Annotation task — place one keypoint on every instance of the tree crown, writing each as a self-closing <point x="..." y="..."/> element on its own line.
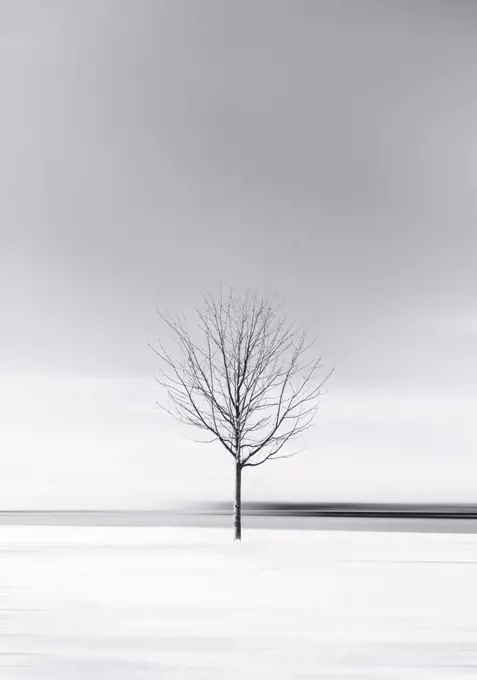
<point x="244" y="375"/>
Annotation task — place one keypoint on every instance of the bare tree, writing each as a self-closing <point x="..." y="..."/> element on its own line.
<point x="243" y="376"/>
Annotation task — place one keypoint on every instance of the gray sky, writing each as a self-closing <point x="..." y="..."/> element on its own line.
<point x="324" y="151"/>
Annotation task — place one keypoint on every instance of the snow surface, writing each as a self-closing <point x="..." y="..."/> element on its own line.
<point x="99" y="603"/>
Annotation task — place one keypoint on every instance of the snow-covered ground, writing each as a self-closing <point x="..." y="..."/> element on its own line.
<point x="101" y="603"/>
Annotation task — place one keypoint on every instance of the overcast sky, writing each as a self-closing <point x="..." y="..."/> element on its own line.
<point x="324" y="151"/>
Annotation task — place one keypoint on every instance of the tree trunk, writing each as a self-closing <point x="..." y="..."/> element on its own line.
<point x="238" y="503"/>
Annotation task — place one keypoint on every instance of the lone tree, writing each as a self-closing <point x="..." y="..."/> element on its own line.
<point x="244" y="376"/>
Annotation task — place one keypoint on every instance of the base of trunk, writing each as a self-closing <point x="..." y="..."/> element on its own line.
<point x="238" y="504"/>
